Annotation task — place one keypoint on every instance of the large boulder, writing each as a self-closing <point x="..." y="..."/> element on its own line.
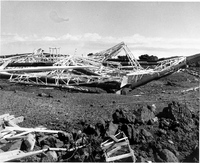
<point x="178" y="113"/>
<point x="123" y="116"/>
<point x="65" y="137"/>
<point x="161" y="154"/>
<point x="146" y="135"/>
<point x="48" y="140"/>
<point x="168" y="156"/>
<point x="90" y="130"/>
<point x="49" y="156"/>
<point x="101" y="127"/>
<point x="130" y="131"/>
<point x="144" y="115"/>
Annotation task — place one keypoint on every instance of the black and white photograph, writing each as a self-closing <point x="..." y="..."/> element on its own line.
<point x="99" y="81"/>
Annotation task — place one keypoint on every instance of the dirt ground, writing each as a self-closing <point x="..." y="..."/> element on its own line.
<point x="63" y="110"/>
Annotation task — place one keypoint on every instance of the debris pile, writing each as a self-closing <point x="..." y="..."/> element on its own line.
<point x="95" y="73"/>
<point x="18" y="143"/>
<point x="42" y="145"/>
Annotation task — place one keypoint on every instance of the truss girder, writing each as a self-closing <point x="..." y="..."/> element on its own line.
<point x="68" y="80"/>
<point x="167" y="64"/>
<point x="114" y="51"/>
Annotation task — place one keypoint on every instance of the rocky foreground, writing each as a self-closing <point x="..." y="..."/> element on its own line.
<point x="169" y="136"/>
<point x="160" y="119"/>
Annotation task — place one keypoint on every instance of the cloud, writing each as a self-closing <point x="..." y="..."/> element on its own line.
<point x="70" y="37"/>
<point x="93" y="42"/>
<point x="164" y="43"/>
<point x="19" y="38"/>
<point x="47" y="38"/>
<point x="54" y="17"/>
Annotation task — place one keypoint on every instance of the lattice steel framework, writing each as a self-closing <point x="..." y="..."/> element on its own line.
<point x="166" y="67"/>
<point x="66" y="80"/>
<point x="114" y="51"/>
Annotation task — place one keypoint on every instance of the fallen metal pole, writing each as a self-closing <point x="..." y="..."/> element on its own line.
<point x="33" y="130"/>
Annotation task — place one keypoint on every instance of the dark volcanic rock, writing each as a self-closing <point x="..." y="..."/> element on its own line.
<point x="130" y="131"/>
<point x="163" y="155"/>
<point x="144" y="115"/>
<point x="50" y="156"/>
<point x="152" y="107"/>
<point x="49" y="140"/>
<point x="168" y="156"/>
<point x="65" y="137"/>
<point x="177" y="112"/>
<point x="161" y="131"/>
<point x="45" y="95"/>
<point x="148" y="136"/>
<point x="90" y="130"/>
<point x="123" y="116"/>
<point x="169" y="83"/>
<point x="141" y="159"/>
<point x="101" y="127"/>
<point x="194" y="156"/>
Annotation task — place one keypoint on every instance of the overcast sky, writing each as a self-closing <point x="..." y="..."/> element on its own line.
<point x="156" y="28"/>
